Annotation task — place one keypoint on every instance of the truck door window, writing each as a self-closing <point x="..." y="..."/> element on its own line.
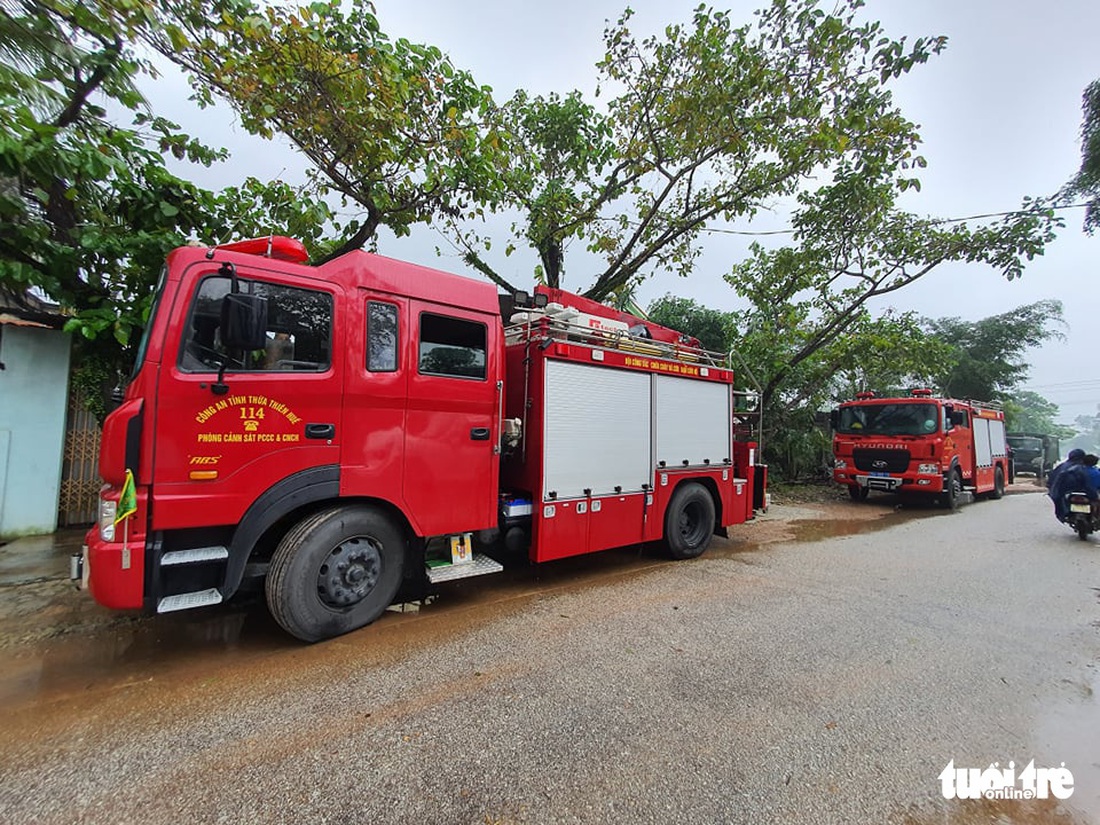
<point x="381" y="337"/>
<point x="299" y="330"/>
<point x="451" y="347"/>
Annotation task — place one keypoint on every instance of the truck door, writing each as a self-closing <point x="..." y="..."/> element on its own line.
<point x="217" y="452"/>
<point x="964" y="440"/>
<point x="451" y="460"/>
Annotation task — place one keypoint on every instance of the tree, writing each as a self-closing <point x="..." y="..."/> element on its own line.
<point x="1086" y="183"/>
<point x="88" y="208"/>
<point x="390" y="126"/>
<point x="716" y="330"/>
<point x="709" y="121"/>
<point x="855" y="247"/>
<point x="987" y="354"/>
<point x="1088" y="429"/>
<point x="550" y="170"/>
<point x="1029" y="412"/>
<point x="884" y="352"/>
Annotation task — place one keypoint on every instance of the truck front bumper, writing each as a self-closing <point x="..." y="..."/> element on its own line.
<point x="112" y="571"/>
<point x="891" y="483"/>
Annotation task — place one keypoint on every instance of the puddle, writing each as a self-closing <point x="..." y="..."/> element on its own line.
<point x="38" y="558"/>
<point x="1068" y="730"/>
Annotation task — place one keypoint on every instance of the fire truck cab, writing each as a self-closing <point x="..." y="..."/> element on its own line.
<point x="920" y="444"/>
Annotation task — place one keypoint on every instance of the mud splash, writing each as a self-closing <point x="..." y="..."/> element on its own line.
<point x="94" y="650"/>
<point x="64" y="645"/>
<point x="991" y="812"/>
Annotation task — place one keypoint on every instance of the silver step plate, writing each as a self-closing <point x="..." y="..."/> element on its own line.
<point x="480" y="566"/>
<point x="192" y="555"/>
<point x="187" y="601"/>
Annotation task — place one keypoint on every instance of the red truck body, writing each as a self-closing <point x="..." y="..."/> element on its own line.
<point x="920" y="444"/>
<point x="380" y="408"/>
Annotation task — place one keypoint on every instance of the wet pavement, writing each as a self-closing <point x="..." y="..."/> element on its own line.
<point x="38" y="558"/>
<point x="828" y="676"/>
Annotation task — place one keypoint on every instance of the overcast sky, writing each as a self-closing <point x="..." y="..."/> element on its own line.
<point x="999" y="111"/>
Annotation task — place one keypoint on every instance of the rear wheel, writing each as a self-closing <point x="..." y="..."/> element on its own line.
<point x="998" y="484"/>
<point x="689" y="521"/>
<point x="335" y="571"/>
<point x="1083" y="530"/>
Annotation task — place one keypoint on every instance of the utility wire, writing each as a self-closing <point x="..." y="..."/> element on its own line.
<point x="715" y="231"/>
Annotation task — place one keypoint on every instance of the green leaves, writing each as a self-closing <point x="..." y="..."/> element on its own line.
<point x="390" y="125"/>
<point x="987" y="355"/>
<point x="88" y="209"/>
<point x="708" y="121"/>
<point x="1086" y="183"/>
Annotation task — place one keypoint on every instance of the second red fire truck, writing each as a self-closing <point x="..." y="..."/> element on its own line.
<point x="338" y="433"/>
<point x="920" y="444"/>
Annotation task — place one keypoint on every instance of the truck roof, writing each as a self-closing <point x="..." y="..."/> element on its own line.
<point x="384" y="274"/>
<point x="365" y="269"/>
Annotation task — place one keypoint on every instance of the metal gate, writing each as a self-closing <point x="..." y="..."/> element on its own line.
<point x="80" y="480"/>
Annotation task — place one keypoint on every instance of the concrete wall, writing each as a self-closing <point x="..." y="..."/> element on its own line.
<point x="34" y="389"/>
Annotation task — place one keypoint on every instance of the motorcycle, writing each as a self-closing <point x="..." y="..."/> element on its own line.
<point x="1081" y="515"/>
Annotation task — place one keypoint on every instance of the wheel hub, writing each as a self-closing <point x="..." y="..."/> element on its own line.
<point x="349" y="572"/>
<point x="689" y="522"/>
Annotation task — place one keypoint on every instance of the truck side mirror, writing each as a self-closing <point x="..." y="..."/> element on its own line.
<point x="834" y="419"/>
<point x="244" y="321"/>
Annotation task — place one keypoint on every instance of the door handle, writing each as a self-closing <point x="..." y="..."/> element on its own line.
<point x="479" y="434"/>
<point x="323" y="431"/>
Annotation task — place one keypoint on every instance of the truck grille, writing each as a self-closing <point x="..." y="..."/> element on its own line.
<point x="881" y="461"/>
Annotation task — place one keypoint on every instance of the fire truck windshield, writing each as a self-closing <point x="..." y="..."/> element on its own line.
<point x="889" y="419"/>
<point x="161" y="280"/>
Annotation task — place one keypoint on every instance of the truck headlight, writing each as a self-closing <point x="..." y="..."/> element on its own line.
<point x="107" y="510"/>
<point x="929" y="469"/>
<point x="840" y="465"/>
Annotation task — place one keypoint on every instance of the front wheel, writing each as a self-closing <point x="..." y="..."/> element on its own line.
<point x="953" y="491"/>
<point x="335" y="571"/>
<point x="689" y="521"/>
<point x="857" y="493"/>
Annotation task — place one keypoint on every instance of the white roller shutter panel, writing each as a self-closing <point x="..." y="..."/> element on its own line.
<point x="982" y="449"/>
<point x="693" y="421"/>
<point x="997" y="438"/>
<point x="597" y="430"/>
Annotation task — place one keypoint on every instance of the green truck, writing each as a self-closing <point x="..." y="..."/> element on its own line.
<point x="1034" y="453"/>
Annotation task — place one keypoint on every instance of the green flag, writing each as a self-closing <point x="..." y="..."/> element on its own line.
<point x="127" y="500"/>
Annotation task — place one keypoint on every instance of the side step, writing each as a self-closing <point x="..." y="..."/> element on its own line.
<point x="187" y="601"/>
<point x="480" y="565"/>
<point x="192" y="555"/>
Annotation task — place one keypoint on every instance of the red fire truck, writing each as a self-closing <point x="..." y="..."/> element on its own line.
<point x="339" y="433"/>
<point x="920" y="444"/>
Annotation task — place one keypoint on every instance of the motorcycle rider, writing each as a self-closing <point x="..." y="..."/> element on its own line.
<point x="1067" y="477"/>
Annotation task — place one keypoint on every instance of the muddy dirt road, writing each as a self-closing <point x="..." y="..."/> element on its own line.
<point x="829" y="677"/>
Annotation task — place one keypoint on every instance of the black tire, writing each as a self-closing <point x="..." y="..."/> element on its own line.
<point x="689" y="521"/>
<point x="1082" y="527"/>
<point x="998" y="484"/>
<point x="313" y="601"/>
<point x="857" y="493"/>
<point x="953" y="492"/>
